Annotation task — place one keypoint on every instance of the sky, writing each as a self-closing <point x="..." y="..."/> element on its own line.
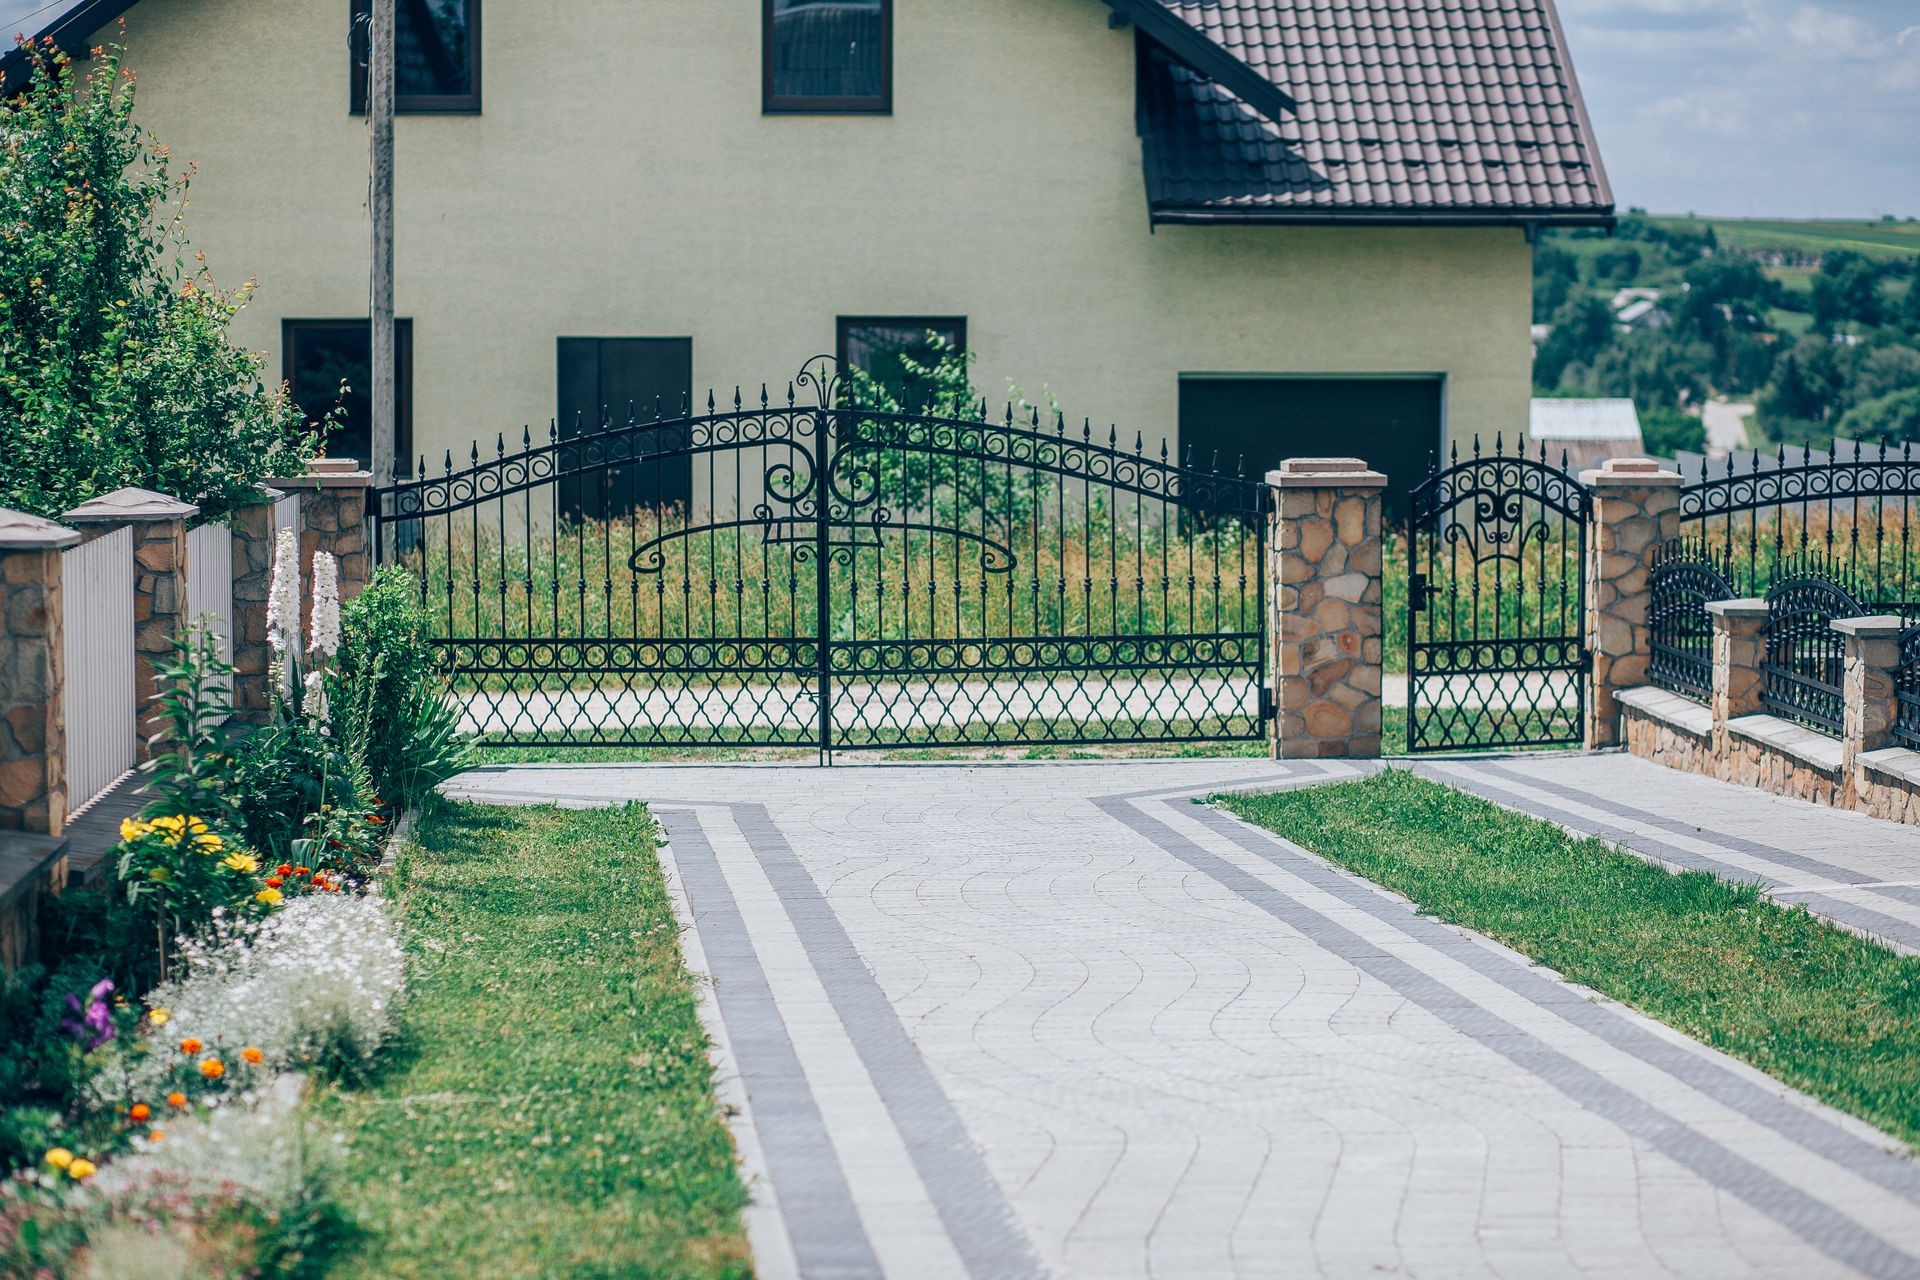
<point x="1728" y="107"/>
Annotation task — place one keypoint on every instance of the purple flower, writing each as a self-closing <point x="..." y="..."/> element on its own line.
<point x="93" y="1021"/>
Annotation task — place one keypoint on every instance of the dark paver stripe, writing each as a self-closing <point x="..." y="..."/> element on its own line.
<point x="1827" y="1229"/>
<point x="1607" y="1021"/>
<point x="815" y="1201"/>
<point x="977" y="1216"/>
<point x="1865" y="919"/>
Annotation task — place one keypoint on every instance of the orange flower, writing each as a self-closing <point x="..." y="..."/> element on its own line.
<point x="253" y="1055"/>
<point x="302" y="871"/>
<point x="274" y="882"/>
<point x="155" y="1135"/>
<point x="212" y="1068"/>
<point x="177" y="1100"/>
<point x="141" y="1113"/>
<point x="284" y="869"/>
<point x="190" y="1046"/>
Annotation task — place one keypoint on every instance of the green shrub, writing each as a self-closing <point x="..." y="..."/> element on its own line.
<point x="398" y="716"/>
<point x="116" y="367"/>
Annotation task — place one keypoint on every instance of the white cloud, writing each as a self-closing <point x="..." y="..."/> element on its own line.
<point x="1754" y="106"/>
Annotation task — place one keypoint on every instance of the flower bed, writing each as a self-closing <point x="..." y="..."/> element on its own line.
<point x="151" y="1115"/>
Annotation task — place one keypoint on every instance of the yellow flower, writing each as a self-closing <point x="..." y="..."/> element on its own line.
<point x="59" y="1157"/>
<point x="158" y="1017"/>
<point x="269" y="896"/>
<point x="209" y="843"/>
<point x="80" y="1169"/>
<point x="245" y="864"/>
<point x="132" y="828"/>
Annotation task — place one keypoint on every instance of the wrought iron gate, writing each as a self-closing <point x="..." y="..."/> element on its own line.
<point x="814" y="573"/>
<point x="1496" y="604"/>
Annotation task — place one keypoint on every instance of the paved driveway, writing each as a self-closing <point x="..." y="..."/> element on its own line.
<point x="1013" y="1021"/>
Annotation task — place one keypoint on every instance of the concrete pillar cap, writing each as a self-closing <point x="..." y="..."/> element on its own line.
<point x="1879" y="626"/>
<point x="1325" y="473"/>
<point x="22" y="532"/>
<point x="1634" y="473"/>
<point x="328" y="473"/>
<point x="1748" y="607"/>
<point x="130" y="506"/>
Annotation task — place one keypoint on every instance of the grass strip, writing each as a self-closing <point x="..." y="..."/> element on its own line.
<point x="550" y="1111"/>
<point x="1808" y="1003"/>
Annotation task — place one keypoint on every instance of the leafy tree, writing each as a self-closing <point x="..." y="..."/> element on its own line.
<point x="1894" y="417"/>
<point x="1654" y="369"/>
<point x="1617" y="264"/>
<point x="1666" y="432"/>
<point x="1582" y="329"/>
<point x="116" y="367"/>
<point x="1555" y="274"/>
<point x="1846" y="291"/>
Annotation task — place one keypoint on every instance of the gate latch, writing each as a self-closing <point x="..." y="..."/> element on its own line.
<point x="1418" y="589"/>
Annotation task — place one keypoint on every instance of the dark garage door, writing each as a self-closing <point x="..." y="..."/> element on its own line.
<point x="1394" y="423"/>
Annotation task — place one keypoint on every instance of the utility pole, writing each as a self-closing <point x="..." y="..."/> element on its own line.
<point x="380" y="63"/>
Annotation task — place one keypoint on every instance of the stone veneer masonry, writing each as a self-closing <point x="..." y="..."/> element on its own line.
<point x="33" y="786"/>
<point x="252" y="528"/>
<point x="333" y="518"/>
<point x="1636" y="508"/>
<point x="1327" y="608"/>
<point x="1733" y="742"/>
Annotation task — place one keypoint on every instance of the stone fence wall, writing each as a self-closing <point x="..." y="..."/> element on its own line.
<point x="34" y="788"/>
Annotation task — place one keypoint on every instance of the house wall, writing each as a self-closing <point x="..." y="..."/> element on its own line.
<point x="622" y="181"/>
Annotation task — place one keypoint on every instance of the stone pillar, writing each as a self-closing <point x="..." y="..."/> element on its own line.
<point x="1636" y="508"/>
<point x="1326" y="603"/>
<point x="252" y="529"/>
<point x="1872" y="657"/>
<point x="333" y="517"/>
<point x="33" y="731"/>
<point x="160" y="570"/>
<point x="1739" y="650"/>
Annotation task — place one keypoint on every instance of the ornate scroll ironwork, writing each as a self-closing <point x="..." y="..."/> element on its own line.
<point x="1806" y="657"/>
<point x="1496" y="603"/>
<point x="809" y="572"/>
<point x="1850" y="504"/>
<point x="1687" y="576"/>
<point x="1906" y="689"/>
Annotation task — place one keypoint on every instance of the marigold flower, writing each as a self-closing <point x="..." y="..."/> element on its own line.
<point x="158" y="1017"/>
<point x="302" y="871"/>
<point x="59" y="1157"/>
<point x="80" y="1169"/>
<point x="154" y="1135"/>
<point x="212" y="1068"/>
<point x="190" y="1046"/>
<point x="245" y="864"/>
<point x="284" y="869"/>
<point x="253" y="1055"/>
<point x="140" y="1113"/>
<point x="269" y="896"/>
<point x="177" y="1100"/>
<point x="274" y="882"/>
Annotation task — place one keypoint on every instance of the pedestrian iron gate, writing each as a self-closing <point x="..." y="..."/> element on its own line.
<point x="816" y="574"/>
<point x="1496" y="604"/>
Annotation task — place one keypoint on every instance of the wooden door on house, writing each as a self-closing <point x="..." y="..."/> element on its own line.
<point x="609" y="382"/>
<point x="1393" y="423"/>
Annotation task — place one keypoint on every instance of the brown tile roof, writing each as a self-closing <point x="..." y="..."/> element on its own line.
<point x="1404" y="110"/>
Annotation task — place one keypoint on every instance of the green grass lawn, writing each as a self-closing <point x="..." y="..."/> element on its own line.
<point x="1813" y="1005"/>
<point x="550" y="1111"/>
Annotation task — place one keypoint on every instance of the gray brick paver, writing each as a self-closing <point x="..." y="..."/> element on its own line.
<point x="1163" y="1079"/>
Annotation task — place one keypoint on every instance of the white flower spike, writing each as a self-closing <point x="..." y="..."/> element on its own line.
<point x="324" y="625"/>
<point x="283" y="597"/>
<point x="315" y="701"/>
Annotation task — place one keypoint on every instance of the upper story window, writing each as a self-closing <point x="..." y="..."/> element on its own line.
<point x="899" y="353"/>
<point x="436" y="61"/>
<point x="827" y="55"/>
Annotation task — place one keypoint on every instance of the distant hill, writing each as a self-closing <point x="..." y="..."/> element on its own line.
<point x="1880" y="239"/>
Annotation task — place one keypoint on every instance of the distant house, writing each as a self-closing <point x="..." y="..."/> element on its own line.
<point x="1587" y="431"/>
<point x="1251" y="228"/>
<point x="1644" y="314"/>
<point x="1624" y="298"/>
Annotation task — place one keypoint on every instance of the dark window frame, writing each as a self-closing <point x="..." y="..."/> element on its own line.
<point x="936" y="324"/>
<point x="774" y="104"/>
<point x="416" y="104"/>
<point x="403" y="459"/>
